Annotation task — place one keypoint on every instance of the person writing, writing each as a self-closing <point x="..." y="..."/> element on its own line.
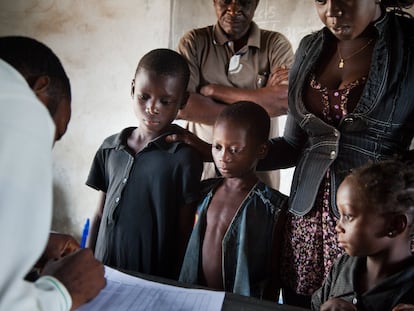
<point x="35" y="102"/>
<point x="231" y="61"/>
<point x="149" y="188"/>
<point x="234" y="243"/>
<point x="376" y="207"/>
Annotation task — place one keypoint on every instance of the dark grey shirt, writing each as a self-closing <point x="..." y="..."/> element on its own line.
<point x="341" y="281"/>
<point x="138" y="230"/>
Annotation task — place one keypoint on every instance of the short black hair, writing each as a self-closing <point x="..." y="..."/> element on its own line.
<point x="165" y="62"/>
<point x="251" y="116"/>
<point x="34" y="59"/>
<point x="388" y="185"/>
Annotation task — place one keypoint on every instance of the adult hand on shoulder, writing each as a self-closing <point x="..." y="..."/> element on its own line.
<point x="403" y="307"/>
<point x="337" y="304"/>
<point x="58" y="246"/>
<point x="80" y="273"/>
<point x="191" y="139"/>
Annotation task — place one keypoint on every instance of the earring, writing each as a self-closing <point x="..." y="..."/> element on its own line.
<point x="339" y="13"/>
<point x="391" y="234"/>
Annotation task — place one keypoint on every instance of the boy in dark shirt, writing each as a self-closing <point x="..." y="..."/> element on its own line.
<point x="234" y="246"/>
<point x="149" y="187"/>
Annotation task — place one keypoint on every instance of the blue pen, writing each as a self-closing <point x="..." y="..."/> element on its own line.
<point x="85" y="234"/>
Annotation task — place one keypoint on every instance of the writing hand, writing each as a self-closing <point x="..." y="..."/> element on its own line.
<point x="337" y="304"/>
<point x="80" y="273"/>
<point x="59" y="245"/>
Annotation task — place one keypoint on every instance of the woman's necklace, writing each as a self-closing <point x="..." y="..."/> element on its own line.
<point x="343" y="59"/>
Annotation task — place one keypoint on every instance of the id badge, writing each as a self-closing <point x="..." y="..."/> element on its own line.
<point x="234" y="64"/>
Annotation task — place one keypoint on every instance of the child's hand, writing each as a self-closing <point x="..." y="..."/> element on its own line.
<point x="403" y="307"/>
<point x="337" y="304"/>
<point x="58" y="246"/>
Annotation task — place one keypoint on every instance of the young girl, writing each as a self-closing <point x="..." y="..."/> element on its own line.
<point x="376" y="205"/>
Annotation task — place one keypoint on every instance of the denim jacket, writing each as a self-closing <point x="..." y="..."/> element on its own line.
<point x="380" y="126"/>
<point x="247" y="244"/>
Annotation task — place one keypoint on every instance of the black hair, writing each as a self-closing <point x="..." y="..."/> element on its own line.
<point x="34" y="59"/>
<point x="388" y="185"/>
<point x="251" y="116"/>
<point x="398" y="6"/>
<point x="165" y="62"/>
<point x="403" y="4"/>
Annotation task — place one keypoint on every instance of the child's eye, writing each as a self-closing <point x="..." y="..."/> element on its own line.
<point x="142" y="96"/>
<point x="347" y="217"/>
<point x="217" y="147"/>
<point x="320" y="1"/>
<point x="166" y="102"/>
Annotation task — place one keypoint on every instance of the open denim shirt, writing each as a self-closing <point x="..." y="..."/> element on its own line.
<point x="246" y="246"/>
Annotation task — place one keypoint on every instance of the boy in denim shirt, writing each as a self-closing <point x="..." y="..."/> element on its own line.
<point x="234" y="243"/>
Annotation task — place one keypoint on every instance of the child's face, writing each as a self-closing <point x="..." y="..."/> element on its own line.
<point x="234" y="151"/>
<point x="361" y="231"/>
<point x="157" y="99"/>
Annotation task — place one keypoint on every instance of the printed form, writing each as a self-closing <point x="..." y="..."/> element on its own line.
<point x="126" y="292"/>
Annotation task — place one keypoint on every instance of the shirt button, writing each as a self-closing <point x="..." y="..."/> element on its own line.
<point x="117" y="200"/>
<point x="332" y="155"/>
<point x="336" y="133"/>
<point x="124" y="180"/>
<point x="354" y="301"/>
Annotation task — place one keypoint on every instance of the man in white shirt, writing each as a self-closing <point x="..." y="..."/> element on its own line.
<point x="35" y="110"/>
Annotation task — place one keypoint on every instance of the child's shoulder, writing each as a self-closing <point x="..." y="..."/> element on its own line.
<point x="179" y="146"/>
<point x="209" y="184"/>
<point x="114" y="140"/>
<point x="277" y="198"/>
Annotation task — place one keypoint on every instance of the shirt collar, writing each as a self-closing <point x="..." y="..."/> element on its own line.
<point x="221" y="38"/>
<point x="381" y="23"/>
<point x="120" y="141"/>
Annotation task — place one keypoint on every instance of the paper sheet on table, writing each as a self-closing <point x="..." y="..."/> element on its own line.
<point x="125" y="292"/>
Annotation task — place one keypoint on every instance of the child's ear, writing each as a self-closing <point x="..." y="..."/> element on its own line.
<point x="40" y="86"/>
<point x="262" y="152"/>
<point x="397" y="224"/>
<point x="132" y="88"/>
<point x="186" y="95"/>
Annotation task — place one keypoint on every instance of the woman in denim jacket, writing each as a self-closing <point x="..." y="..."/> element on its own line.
<point x="351" y="100"/>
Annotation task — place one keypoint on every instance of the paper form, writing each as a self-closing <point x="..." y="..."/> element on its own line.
<point x="125" y="292"/>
